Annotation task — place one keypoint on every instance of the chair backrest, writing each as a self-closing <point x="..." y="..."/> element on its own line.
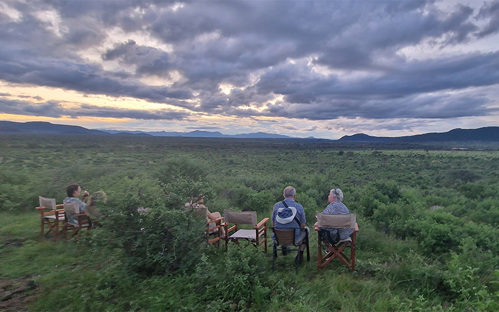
<point x="47" y="202"/>
<point x="244" y="217"/>
<point x="201" y="212"/>
<point x="285" y="236"/>
<point x="71" y="208"/>
<point x="336" y="221"/>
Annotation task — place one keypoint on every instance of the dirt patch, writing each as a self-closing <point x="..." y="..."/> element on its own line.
<point x="16" y="294"/>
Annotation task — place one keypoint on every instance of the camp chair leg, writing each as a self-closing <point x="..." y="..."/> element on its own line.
<point x="352" y="257"/>
<point x="308" y="249"/>
<point x="337" y="252"/>
<point x="274" y="256"/>
<point x="297" y="261"/>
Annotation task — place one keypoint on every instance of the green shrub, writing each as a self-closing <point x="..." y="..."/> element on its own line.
<point x="156" y="239"/>
<point x="261" y="202"/>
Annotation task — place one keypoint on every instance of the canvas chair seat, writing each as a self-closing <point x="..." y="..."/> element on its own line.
<point x="338" y="250"/>
<point x="51" y="216"/>
<point x="349" y="239"/>
<point x="257" y="235"/>
<point x="244" y="234"/>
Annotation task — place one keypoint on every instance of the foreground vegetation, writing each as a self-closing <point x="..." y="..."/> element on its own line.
<point x="428" y="225"/>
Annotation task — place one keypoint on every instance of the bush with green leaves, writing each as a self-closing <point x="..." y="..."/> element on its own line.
<point x="236" y="280"/>
<point x="181" y="180"/>
<point x="239" y="279"/>
<point x="156" y="238"/>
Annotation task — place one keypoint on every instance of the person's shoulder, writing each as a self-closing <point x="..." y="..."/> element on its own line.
<point x="69" y="199"/>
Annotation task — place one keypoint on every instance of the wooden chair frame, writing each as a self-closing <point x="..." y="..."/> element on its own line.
<point x="286" y="237"/>
<point x="217" y="234"/>
<point x="84" y="221"/>
<point x="337" y="251"/>
<point x="257" y="235"/>
<point x="213" y="233"/>
<point x="51" y="215"/>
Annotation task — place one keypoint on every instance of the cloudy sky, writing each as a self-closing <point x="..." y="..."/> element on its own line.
<point x="300" y="68"/>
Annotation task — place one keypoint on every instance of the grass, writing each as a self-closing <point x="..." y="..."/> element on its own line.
<point x="66" y="267"/>
<point x="392" y="274"/>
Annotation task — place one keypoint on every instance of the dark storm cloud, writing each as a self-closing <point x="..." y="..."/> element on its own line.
<point x="327" y="59"/>
<point x="490" y="11"/>
<point x="147" y="60"/>
<point x="55" y="110"/>
<point x="80" y="77"/>
<point x="48" y="109"/>
<point x="88" y="110"/>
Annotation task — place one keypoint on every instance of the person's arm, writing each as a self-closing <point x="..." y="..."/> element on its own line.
<point x="211" y="216"/>
<point x="84" y="195"/>
<point x="274" y="210"/>
<point x="303" y="221"/>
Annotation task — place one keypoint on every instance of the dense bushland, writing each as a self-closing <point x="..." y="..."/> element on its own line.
<point x="428" y="221"/>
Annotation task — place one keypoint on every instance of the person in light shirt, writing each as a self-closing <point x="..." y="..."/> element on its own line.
<point x="74" y="191"/>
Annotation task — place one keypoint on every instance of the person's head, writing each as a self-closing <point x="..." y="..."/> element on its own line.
<point x="335" y="195"/>
<point x="73" y="190"/>
<point x="199" y="199"/>
<point x="289" y="192"/>
<point x="96" y="197"/>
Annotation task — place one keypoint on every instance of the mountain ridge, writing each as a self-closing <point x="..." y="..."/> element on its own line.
<point x="484" y="134"/>
<point x="41" y="127"/>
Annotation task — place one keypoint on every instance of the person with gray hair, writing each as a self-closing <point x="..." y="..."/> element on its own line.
<point x="336" y="206"/>
<point x="288" y="214"/>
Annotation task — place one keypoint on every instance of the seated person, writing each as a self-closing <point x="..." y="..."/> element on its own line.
<point x="93" y="201"/>
<point x="73" y="191"/>
<point x="196" y="203"/>
<point x="335" y="206"/>
<point x="288" y="214"/>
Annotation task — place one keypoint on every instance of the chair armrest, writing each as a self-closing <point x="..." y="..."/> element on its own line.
<point x="261" y="223"/>
<point x="59" y="209"/>
<point x="217" y="221"/>
<point x="42" y="210"/>
<point x="232" y="228"/>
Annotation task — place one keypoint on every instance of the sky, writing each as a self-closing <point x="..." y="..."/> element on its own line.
<point x="302" y="68"/>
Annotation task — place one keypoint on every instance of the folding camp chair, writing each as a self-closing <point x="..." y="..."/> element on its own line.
<point x="51" y="215"/>
<point x="286" y="238"/>
<point x="336" y="251"/>
<point x="257" y="235"/>
<point x="213" y="227"/>
<point x="84" y="221"/>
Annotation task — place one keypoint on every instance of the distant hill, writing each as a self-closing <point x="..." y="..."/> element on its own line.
<point x="49" y="128"/>
<point x="38" y="127"/>
<point x="486" y="134"/>
<point x="206" y="134"/>
<point x="481" y="135"/>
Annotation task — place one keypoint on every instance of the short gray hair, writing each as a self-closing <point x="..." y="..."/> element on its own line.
<point x="338" y="194"/>
<point x="289" y="191"/>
